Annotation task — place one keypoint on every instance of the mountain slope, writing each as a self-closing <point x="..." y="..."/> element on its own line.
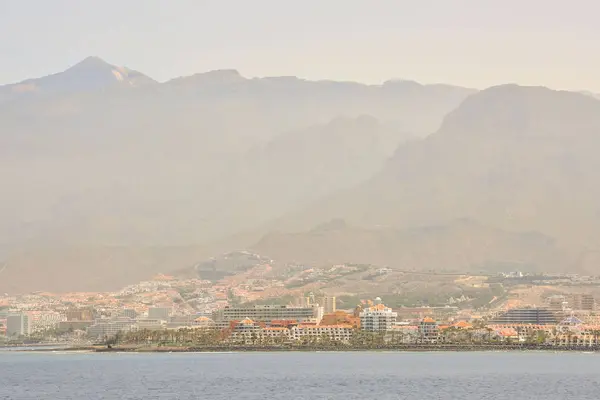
<point x="161" y="164"/>
<point x="519" y="158"/>
<point x="299" y="167"/>
<point x="460" y="246"/>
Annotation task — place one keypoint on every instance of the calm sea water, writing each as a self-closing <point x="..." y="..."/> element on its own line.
<point x="292" y="376"/>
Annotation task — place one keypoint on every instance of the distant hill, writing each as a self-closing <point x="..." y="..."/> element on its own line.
<point x="91" y="268"/>
<point x="518" y="158"/>
<point x="459" y="246"/>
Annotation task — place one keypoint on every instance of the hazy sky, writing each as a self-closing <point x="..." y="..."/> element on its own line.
<point x="469" y="42"/>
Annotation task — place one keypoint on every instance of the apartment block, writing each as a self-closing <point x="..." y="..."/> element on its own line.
<point x="328" y="304"/>
<point x="18" y="325"/>
<point x="377" y="318"/>
<point x="268" y="313"/>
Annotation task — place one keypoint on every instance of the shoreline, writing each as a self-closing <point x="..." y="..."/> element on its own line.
<point x="296" y="349"/>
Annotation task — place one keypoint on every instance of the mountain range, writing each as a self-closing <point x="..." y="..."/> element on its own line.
<point x="100" y="159"/>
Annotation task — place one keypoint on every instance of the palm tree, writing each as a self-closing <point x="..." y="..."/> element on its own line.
<point x="596" y="333"/>
<point x="489" y="335"/>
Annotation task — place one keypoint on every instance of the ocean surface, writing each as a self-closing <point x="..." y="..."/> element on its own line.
<point x="294" y="376"/>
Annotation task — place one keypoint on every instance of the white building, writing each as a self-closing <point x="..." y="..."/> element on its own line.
<point x="109" y="328"/>
<point x="377" y="318"/>
<point x="341" y="333"/>
<point x="41" y="321"/>
<point x="151" y="324"/>
<point x="246" y="331"/>
<point x="268" y="313"/>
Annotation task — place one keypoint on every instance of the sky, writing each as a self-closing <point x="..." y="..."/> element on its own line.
<point x="476" y="43"/>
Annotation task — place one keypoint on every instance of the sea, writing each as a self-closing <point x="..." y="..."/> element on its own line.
<point x="294" y="376"/>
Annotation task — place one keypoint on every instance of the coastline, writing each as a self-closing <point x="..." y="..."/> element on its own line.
<point x="314" y="349"/>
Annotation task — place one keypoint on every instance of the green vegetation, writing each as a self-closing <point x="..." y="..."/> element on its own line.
<point x="477" y="338"/>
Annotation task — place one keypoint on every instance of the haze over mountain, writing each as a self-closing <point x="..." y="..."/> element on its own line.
<point x="134" y="166"/>
<point x="100" y="156"/>
<point x="516" y="158"/>
<point x="109" y="176"/>
<point x="461" y="245"/>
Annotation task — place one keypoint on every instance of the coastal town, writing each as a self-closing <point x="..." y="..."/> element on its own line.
<point x="266" y="304"/>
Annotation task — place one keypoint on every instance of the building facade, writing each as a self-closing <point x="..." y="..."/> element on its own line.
<point x="428" y="331"/>
<point x="582" y="301"/>
<point x="533" y="316"/>
<point x="340" y="333"/>
<point x="377" y="318"/>
<point x="328" y="303"/>
<point x="102" y="329"/>
<point x="163" y="313"/>
<point x="151" y="324"/>
<point x="268" y="313"/>
<point x="129" y="313"/>
<point x="18" y="325"/>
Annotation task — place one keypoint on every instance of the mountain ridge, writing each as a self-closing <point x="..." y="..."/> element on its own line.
<point x="212" y="156"/>
<point x="508" y="174"/>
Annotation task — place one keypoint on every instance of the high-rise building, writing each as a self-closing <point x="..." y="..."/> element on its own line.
<point x="377" y="318"/>
<point x="18" y="325"/>
<point x="306" y="301"/>
<point x="162" y="313"/>
<point x="582" y="301"/>
<point x="557" y="303"/>
<point x="328" y="304"/>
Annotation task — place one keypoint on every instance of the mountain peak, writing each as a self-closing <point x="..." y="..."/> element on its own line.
<point x="92" y="61"/>
<point x="91" y="65"/>
<point x="92" y="73"/>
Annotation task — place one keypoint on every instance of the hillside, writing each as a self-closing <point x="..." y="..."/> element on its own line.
<point x="517" y="158"/>
<point x="459" y="246"/>
<point x="91" y="268"/>
<point x="299" y="167"/>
